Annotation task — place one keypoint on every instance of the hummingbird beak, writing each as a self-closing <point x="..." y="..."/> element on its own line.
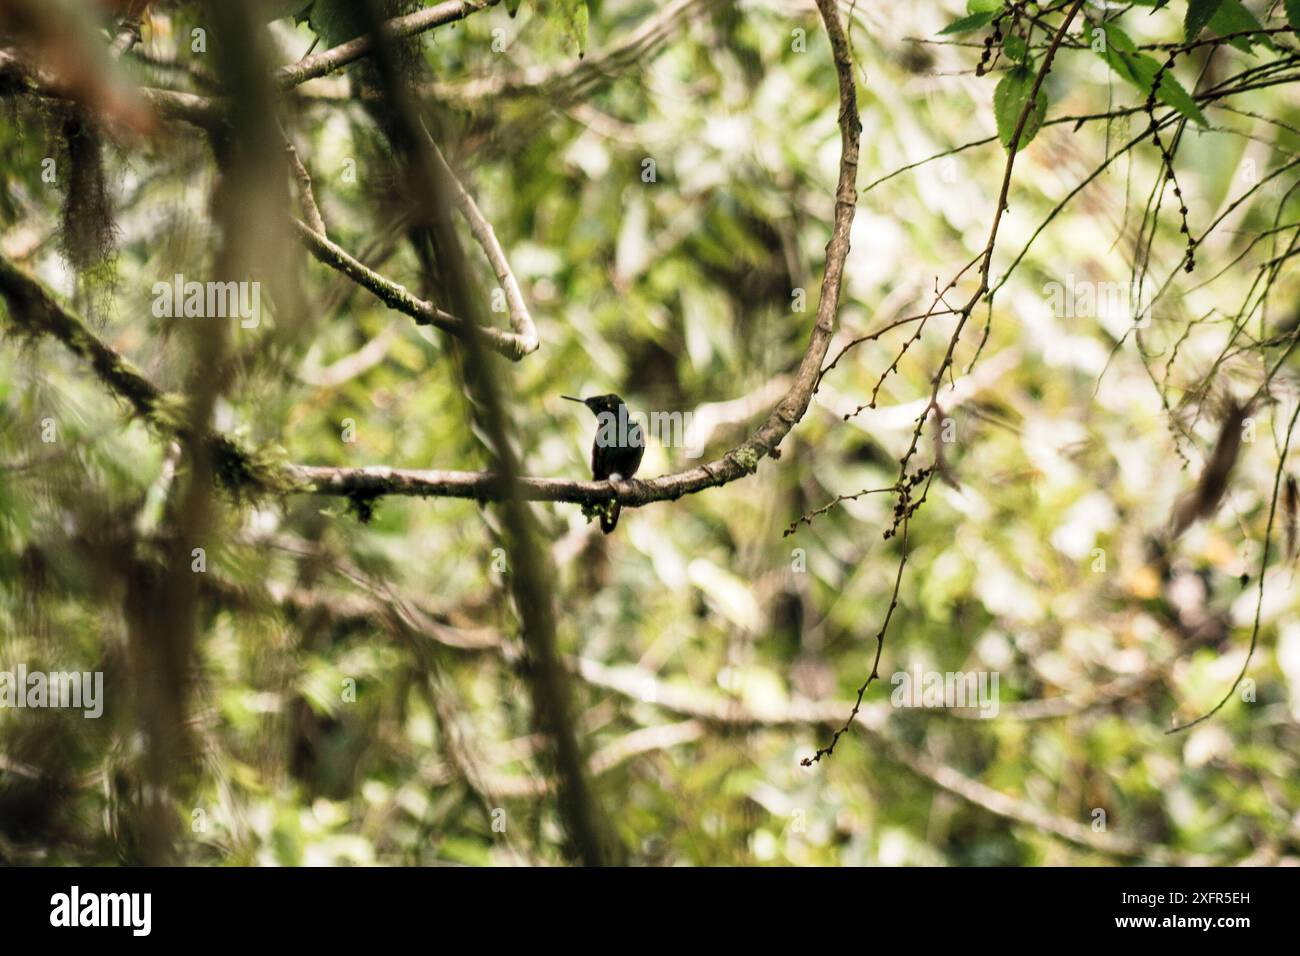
<point x="572" y="399"/>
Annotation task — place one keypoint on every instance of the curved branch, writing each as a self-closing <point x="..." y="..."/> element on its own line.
<point x="738" y="462"/>
<point x="401" y="299"/>
<point x="373" y="482"/>
<point x="525" y="338"/>
<point x="313" y="234"/>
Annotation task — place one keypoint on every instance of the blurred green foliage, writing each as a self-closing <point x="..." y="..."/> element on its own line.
<point x="333" y="718"/>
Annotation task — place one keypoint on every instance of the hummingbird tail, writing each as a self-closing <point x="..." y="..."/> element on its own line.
<point x="609" y="519"/>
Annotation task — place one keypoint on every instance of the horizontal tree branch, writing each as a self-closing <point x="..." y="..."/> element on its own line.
<point x="327" y="61"/>
<point x="34" y="311"/>
<point x="377" y="480"/>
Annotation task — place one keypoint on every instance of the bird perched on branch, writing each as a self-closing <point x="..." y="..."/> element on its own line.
<point x="617" y="450"/>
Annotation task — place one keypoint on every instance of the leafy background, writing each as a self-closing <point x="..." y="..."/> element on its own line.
<point x="703" y="634"/>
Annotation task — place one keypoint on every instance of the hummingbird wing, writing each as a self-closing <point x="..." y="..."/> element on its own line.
<point x="635" y="454"/>
<point x="599" y="461"/>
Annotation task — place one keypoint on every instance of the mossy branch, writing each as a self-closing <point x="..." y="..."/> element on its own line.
<point x="34" y="312"/>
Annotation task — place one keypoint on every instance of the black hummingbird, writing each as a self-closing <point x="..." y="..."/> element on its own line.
<point x="616" y="452"/>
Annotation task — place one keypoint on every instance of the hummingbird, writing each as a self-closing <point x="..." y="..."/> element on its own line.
<point x="618" y="447"/>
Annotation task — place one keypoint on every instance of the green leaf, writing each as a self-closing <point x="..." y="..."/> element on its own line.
<point x="1016" y="48"/>
<point x="1116" y="39"/>
<point x="983" y="6"/>
<point x="1009" y="101"/>
<point x="1232" y="17"/>
<point x="1293" y="14"/>
<point x="972" y="22"/>
<point x="574" y="13"/>
<point x="580" y="26"/>
<point x="1199" y="13"/>
<point x="1120" y="53"/>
